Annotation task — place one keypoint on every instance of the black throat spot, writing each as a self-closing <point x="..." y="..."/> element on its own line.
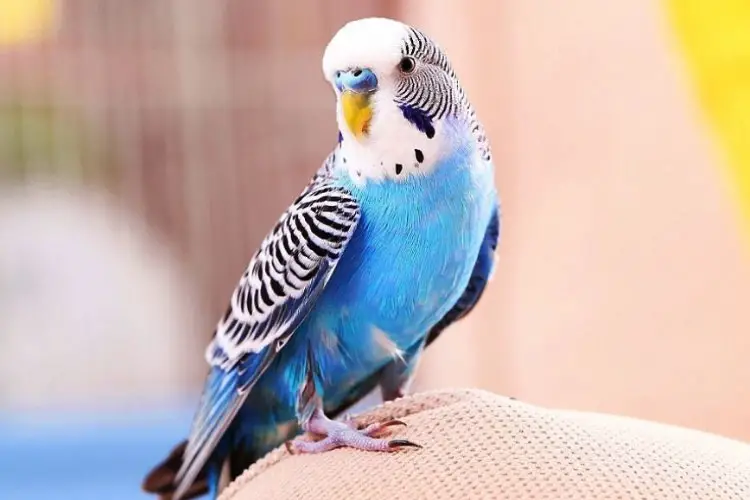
<point x="419" y="155"/>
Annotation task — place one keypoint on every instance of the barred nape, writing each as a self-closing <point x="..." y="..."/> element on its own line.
<point x="439" y="80"/>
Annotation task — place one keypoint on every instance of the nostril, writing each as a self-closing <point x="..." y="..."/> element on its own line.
<point x="356" y="72"/>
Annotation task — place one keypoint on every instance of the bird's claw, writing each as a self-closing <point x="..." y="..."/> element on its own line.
<point x="375" y="428"/>
<point x="394" y="422"/>
<point x="346" y="434"/>
<point x="403" y="443"/>
<point x="289" y="445"/>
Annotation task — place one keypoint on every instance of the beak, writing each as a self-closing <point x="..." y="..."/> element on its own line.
<point x="357" y="111"/>
<point x="357" y="85"/>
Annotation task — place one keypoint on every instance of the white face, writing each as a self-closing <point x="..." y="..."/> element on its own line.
<point x="378" y="141"/>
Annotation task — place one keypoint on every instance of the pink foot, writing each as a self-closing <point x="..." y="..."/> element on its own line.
<point x="346" y="433"/>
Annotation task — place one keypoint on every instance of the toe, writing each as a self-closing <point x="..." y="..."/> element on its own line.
<point x="349" y="421"/>
<point x="309" y="447"/>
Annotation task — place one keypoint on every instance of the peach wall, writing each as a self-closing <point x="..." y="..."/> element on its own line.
<point x="622" y="285"/>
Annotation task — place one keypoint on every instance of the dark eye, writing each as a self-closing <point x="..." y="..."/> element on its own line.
<point x="407" y="64"/>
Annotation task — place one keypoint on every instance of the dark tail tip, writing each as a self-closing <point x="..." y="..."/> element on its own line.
<point x="160" y="479"/>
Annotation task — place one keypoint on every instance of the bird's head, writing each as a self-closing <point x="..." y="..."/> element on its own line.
<point x="399" y="103"/>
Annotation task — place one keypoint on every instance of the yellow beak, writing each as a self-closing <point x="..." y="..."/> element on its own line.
<point x="357" y="112"/>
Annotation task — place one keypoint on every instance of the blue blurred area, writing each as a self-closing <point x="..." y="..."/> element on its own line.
<point x="85" y="456"/>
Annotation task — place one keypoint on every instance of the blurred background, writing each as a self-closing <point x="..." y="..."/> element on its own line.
<point x="146" y="147"/>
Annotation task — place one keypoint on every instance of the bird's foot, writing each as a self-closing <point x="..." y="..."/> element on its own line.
<point x="347" y="434"/>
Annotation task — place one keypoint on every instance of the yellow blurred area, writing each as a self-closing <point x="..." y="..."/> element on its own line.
<point x="25" y="20"/>
<point x="715" y="37"/>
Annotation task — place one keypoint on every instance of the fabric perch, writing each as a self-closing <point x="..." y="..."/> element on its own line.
<point x="480" y="445"/>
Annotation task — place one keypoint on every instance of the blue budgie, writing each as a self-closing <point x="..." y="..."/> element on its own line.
<point x="391" y="241"/>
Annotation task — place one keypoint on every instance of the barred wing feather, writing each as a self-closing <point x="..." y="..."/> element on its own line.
<point x="274" y="295"/>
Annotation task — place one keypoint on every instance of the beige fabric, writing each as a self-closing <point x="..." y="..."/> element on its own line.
<point x="480" y="445"/>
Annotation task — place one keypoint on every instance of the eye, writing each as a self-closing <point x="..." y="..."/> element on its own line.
<point x="407" y="64"/>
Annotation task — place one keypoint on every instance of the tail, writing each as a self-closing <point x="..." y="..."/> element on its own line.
<point x="161" y="479"/>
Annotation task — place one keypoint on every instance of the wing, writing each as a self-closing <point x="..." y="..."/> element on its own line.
<point x="274" y="295"/>
<point x="481" y="273"/>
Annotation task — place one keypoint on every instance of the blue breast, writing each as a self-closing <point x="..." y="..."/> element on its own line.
<point x="406" y="265"/>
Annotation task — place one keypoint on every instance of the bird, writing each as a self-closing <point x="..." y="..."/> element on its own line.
<point x="392" y="240"/>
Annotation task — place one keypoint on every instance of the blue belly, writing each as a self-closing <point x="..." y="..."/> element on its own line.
<point x="408" y="262"/>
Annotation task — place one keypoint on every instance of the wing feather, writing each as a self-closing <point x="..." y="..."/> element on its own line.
<point x="274" y="295"/>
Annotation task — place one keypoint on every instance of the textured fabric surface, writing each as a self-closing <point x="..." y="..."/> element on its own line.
<point x="480" y="445"/>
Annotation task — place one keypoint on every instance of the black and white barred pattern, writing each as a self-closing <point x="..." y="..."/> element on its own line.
<point x="287" y="272"/>
<point x="433" y="88"/>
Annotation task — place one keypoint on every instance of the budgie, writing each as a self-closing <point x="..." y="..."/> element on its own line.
<point x="392" y="240"/>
